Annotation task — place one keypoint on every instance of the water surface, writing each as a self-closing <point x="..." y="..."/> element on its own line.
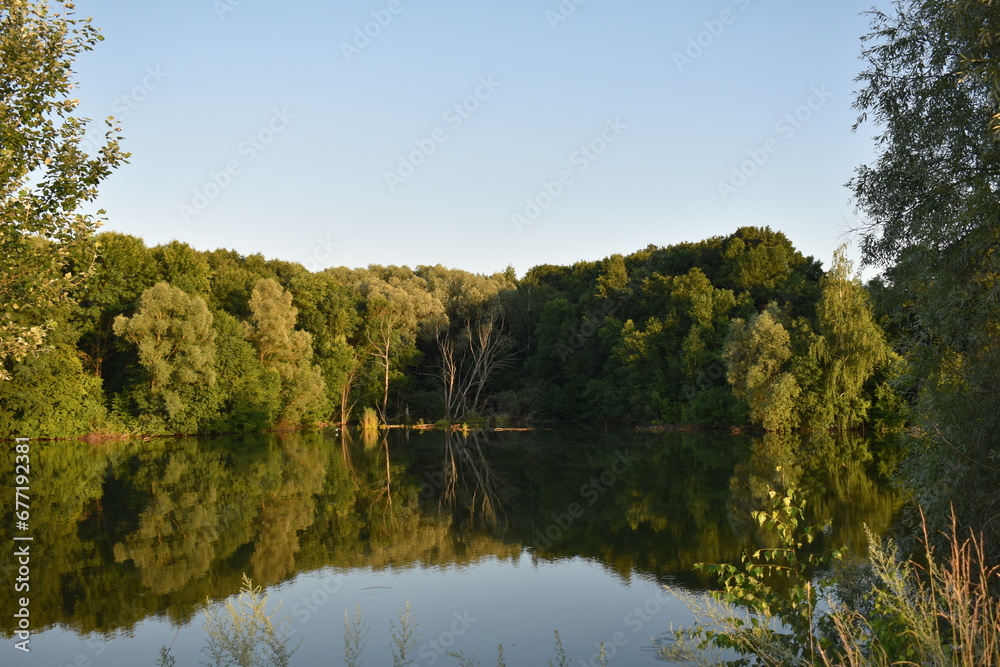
<point x="491" y="537"/>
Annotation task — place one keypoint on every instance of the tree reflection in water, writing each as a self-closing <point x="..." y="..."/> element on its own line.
<point x="469" y="478"/>
<point x="136" y="529"/>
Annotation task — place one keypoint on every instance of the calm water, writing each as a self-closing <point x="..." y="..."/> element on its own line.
<point x="492" y="537"/>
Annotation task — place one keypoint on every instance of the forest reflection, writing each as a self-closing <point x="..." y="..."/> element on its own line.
<point x="128" y="530"/>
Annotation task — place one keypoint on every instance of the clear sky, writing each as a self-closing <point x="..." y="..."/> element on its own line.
<point x="477" y="133"/>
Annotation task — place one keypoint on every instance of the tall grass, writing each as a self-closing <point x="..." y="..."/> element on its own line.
<point x="944" y="611"/>
<point x="404" y="639"/>
<point x="355" y="631"/>
<point x="243" y="634"/>
<point x="369" y="419"/>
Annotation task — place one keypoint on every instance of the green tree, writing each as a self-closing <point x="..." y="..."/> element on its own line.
<point x="930" y="199"/>
<point x="250" y="392"/>
<point x="172" y="331"/>
<point x="50" y="396"/>
<point x="613" y="279"/>
<point x="123" y="272"/>
<point x="328" y="311"/>
<point x="757" y="355"/>
<point x="183" y="267"/>
<point x="287" y="350"/>
<point x="46" y="176"/>
<point x="400" y="308"/>
<point x="854" y="345"/>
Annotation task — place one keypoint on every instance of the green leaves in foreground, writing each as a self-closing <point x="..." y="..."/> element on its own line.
<point x="775" y="587"/>
<point x="48" y="173"/>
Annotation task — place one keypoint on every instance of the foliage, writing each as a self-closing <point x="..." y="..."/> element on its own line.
<point x="946" y="612"/>
<point x="719" y="331"/>
<point x="757" y="355"/>
<point x="288" y="351"/>
<point x="793" y="372"/>
<point x="328" y="311"/>
<point x="46" y="176"/>
<point x="467" y="661"/>
<point x="183" y="267"/>
<point x="561" y="659"/>
<point x="165" y="659"/>
<point x="245" y="635"/>
<point x="929" y="196"/>
<point x="250" y="392"/>
<point x="722" y="332"/>
<point x="49" y="396"/>
<point x="775" y="586"/>
<point x="404" y="642"/>
<point x="123" y="271"/>
<point x="369" y="420"/>
<point x="853" y="345"/>
<point x="172" y="332"/>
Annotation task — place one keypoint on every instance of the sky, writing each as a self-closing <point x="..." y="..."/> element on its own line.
<point x="477" y="134"/>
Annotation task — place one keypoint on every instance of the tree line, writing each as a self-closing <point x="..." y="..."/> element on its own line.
<point x="730" y="330"/>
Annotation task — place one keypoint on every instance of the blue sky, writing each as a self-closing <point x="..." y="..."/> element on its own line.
<point x="477" y="134"/>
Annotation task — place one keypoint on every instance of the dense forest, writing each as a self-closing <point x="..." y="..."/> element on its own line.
<point x="726" y="331"/>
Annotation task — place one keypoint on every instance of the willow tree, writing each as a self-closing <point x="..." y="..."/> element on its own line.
<point x="46" y="176"/>
<point x="932" y="86"/>
<point x="757" y="355"/>
<point x="250" y="392"/>
<point x="172" y="332"/>
<point x="852" y="344"/>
